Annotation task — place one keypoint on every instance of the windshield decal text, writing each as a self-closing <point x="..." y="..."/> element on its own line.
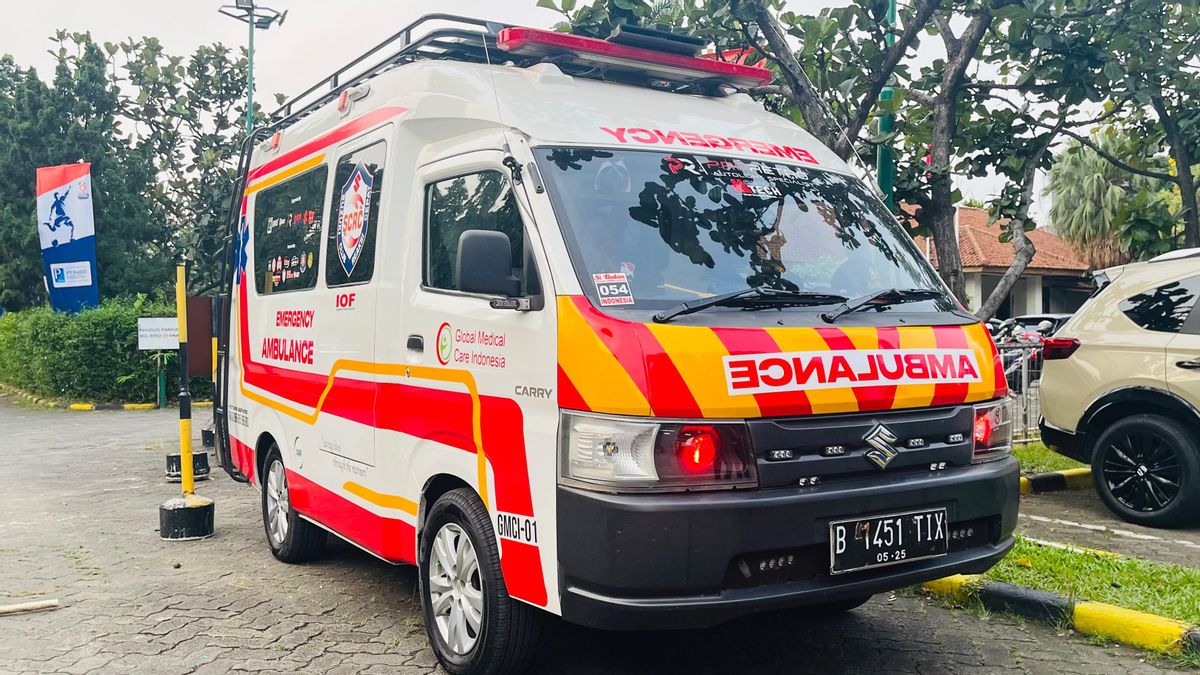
<point x="797" y="371"/>
<point x="695" y="140"/>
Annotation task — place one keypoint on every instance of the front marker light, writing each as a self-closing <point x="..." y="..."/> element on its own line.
<point x="993" y="430"/>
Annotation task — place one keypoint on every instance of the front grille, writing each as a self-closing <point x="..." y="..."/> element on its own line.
<point x="832" y="448"/>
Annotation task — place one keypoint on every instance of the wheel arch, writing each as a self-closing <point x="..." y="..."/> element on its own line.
<point x="436" y="486"/>
<point x="261" y="446"/>
<point x="1127" y="401"/>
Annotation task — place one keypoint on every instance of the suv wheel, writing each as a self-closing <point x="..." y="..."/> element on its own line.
<point x="1146" y="469"/>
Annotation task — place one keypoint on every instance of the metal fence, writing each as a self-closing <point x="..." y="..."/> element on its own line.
<point x="1023" y="369"/>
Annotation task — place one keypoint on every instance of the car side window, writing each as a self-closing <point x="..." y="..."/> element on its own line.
<point x="1164" y="309"/>
<point x="477" y="201"/>
<point x="287" y="233"/>
<point x="354" y="216"/>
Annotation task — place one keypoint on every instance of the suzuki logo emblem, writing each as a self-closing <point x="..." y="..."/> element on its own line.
<point x="881" y="438"/>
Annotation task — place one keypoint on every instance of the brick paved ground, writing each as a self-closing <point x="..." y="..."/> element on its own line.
<point x="1079" y="517"/>
<point x="78" y="511"/>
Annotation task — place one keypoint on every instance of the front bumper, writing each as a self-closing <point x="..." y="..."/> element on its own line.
<point x="676" y="560"/>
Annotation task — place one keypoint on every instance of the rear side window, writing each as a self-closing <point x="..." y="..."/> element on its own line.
<point x="1165" y="308"/>
<point x="287" y="233"/>
<point x="354" y="216"/>
<point x="478" y="201"/>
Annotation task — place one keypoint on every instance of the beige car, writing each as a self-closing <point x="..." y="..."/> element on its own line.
<point x="1121" y="390"/>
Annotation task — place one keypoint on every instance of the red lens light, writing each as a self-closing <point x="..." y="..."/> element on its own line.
<point x="1056" y="348"/>
<point x="538" y="42"/>
<point x="983" y="428"/>
<point x="696" y="448"/>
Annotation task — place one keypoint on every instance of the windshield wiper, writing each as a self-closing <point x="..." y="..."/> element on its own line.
<point x="769" y="296"/>
<point x="881" y="299"/>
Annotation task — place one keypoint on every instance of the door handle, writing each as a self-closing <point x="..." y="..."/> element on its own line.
<point x="1190" y="365"/>
<point x="416" y="343"/>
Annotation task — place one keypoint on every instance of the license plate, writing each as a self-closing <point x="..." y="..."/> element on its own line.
<point x="879" y="541"/>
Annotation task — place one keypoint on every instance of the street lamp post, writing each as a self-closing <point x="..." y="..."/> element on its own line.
<point x="255" y="17"/>
<point x="885" y="167"/>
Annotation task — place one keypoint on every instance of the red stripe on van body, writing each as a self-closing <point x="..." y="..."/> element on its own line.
<point x="243" y="457"/>
<point x="669" y="392"/>
<point x="354" y="126"/>
<point x="758" y="341"/>
<point x="620" y="340"/>
<point x="390" y="538"/>
<point x="568" y="396"/>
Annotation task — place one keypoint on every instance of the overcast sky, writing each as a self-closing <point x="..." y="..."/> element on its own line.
<point x="318" y="36"/>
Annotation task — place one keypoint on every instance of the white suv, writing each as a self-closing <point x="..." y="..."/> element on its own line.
<point x="1121" y="390"/>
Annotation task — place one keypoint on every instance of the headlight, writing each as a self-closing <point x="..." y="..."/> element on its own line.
<point x="627" y="454"/>
<point x="993" y="430"/>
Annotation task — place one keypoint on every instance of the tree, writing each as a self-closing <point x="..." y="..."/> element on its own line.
<point x="1089" y="193"/>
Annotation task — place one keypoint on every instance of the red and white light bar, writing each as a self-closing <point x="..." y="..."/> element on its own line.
<point x="674" y="67"/>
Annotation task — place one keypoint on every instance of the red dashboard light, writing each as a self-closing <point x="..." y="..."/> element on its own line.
<point x="664" y="65"/>
<point x="696" y="448"/>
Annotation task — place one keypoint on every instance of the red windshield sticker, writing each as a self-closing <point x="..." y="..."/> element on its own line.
<point x="613" y="288"/>
<point x="694" y="140"/>
<point x="797" y="371"/>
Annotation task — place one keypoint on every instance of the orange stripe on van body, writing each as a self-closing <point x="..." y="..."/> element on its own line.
<point x="678" y="371"/>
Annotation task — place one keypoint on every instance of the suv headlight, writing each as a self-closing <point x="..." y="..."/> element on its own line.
<point x="993" y="430"/>
<point x="630" y="454"/>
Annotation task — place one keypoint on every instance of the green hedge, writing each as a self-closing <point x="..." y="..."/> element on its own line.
<point x="90" y="356"/>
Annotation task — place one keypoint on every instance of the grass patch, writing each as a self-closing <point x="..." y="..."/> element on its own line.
<point x="1158" y="588"/>
<point x="1037" y="458"/>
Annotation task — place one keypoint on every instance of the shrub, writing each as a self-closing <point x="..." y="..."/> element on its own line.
<point x="89" y="356"/>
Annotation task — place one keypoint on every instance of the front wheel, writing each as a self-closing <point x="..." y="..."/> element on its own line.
<point x="1146" y="469"/>
<point x="475" y="628"/>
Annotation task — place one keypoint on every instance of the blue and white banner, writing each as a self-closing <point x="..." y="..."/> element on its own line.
<point x="68" y="236"/>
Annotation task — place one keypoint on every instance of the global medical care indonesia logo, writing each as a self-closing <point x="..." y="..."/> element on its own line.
<point x="354" y="212"/>
<point x="445" y="343"/>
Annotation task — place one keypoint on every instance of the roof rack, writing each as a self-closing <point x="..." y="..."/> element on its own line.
<point x="466" y="39"/>
<point x="621" y="58"/>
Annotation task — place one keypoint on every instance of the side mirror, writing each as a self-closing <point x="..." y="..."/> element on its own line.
<point x="484" y="264"/>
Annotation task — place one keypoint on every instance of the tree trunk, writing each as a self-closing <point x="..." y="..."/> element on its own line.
<point x="1183" y="172"/>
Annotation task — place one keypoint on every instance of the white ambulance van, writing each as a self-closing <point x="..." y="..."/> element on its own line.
<point x="580" y="330"/>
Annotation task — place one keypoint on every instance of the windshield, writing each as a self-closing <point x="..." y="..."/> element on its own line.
<point x="648" y="230"/>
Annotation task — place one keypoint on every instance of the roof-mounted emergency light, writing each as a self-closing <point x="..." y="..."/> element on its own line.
<point x="652" y="63"/>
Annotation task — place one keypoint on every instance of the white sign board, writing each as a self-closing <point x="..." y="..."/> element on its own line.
<point x="155" y="333"/>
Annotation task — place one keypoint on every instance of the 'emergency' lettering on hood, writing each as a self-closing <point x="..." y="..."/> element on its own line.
<point x="796" y="371"/>
<point x="694" y="140"/>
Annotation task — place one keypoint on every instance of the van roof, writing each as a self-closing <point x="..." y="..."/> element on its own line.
<point x="446" y="79"/>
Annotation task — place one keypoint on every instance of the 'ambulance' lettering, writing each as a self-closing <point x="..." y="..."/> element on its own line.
<point x="796" y="371"/>
<point x="688" y="138"/>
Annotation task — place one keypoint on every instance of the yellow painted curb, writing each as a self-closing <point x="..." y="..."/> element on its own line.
<point x="958" y="586"/>
<point x="1130" y="627"/>
<point x="1026" y="486"/>
<point x="82" y="406"/>
<point x="1078" y="478"/>
<point x="139" y="406"/>
<point x="201" y="404"/>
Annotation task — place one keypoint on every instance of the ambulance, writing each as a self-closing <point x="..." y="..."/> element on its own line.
<point x="580" y="329"/>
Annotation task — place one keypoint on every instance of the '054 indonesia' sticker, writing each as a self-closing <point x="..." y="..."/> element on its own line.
<point x="613" y="288"/>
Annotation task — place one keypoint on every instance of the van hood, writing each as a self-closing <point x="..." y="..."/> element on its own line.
<point x="609" y="365"/>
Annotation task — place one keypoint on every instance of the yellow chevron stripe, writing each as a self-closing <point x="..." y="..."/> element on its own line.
<point x="697" y="353"/>
<point x="823" y="401"/>
<point x="286" y="174"/>
<point x="915" y="395"/>
<point x="596" y="373"/>
<point x="979" y="341"/>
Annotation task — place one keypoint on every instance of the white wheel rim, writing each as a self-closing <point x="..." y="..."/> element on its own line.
<point x="277" y="503"/>
<point x="455" y="588"/>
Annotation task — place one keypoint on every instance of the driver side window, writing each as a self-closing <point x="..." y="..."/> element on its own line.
<point x="477" y="201"/>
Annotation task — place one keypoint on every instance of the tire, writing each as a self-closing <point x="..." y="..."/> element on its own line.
<point x="504" y="639"/>
<point x="1146" y="469"/>
<point x="839" y="607"/>
<point x="292" y="539"/>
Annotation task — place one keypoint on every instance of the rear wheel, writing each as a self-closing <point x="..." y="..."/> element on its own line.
<point x="475" y="628"/>
<point x="1146" y="469"/>
<point x="291" y="538"/>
